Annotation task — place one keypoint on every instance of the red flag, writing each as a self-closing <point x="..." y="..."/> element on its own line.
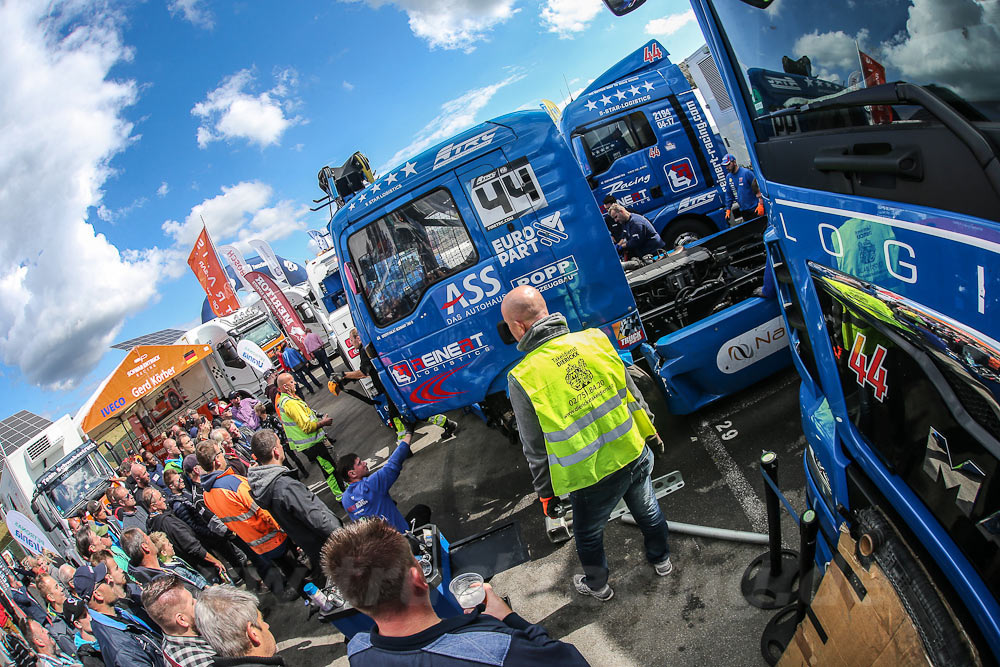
<point x="278" y="304"/>
<point x="205" y="264"/>
<point x="874" y="73"/>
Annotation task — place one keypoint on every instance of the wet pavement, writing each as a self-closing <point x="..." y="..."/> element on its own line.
<point x="476" y="480"/>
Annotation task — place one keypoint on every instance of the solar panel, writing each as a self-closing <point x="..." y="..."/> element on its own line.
<point x="19" y="428"/>
<point x="164" y="337"/>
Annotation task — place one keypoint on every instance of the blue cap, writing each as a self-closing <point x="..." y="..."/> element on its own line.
<point x="87" y="578"/>
<point x="727" y="158"/>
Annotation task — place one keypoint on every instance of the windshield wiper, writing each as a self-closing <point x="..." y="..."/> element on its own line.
<point x="901" y="92"/>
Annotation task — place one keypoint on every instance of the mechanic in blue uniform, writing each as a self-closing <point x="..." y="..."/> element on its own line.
<point x="367" y="493"/>
<point x="743" y="197"/>
<point x="638" y="236"/>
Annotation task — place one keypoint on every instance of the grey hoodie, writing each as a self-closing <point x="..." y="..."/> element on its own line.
<point x="306" y="519"/>
<point x="532" y="441"/>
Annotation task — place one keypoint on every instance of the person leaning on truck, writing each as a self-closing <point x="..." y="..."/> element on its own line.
<point x="638" y="238"/>
<point x="741" y="191"/>
<point x="583" y="426"/>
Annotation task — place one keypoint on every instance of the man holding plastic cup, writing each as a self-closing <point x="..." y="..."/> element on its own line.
<point x="372" y="565"/>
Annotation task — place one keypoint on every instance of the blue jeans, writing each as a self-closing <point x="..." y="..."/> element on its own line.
<point x="592" y="506"/>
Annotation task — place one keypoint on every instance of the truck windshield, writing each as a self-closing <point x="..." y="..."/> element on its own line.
<point x="75" y="485"/>
<point x="403" y="253"/>
<point x="262" y="334"/>
<point x="793" y="52"/>
<point x="607" y="143"/>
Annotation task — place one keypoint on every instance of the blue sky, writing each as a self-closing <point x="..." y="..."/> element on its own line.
<point x="126" y="122"/>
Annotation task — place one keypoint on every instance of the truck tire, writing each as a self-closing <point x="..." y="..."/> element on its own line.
<point x="685" y="230"/>
<point x="653" y="395"/>
<point x="943" y="636"/>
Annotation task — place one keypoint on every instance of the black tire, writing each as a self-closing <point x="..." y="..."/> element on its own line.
<point x="653" y="395"/>
<point x="686" y="230"/>
<point x="940" y="631"/>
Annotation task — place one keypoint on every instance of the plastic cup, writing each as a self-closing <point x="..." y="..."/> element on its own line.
<point x="468" y="589"/>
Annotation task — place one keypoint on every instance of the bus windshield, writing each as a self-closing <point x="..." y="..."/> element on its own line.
<point x="794" y="51"/>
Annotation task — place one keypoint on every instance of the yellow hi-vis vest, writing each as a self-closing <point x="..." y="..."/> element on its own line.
<point x="591" y="423"/>
<point x="298" y="439"/>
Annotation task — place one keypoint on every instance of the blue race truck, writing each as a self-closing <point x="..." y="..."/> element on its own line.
<point x="884" y="236"/>
<point x="641" y="136"/>
<point x="429" y="249"/>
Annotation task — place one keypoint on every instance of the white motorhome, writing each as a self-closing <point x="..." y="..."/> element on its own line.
<point x="52" y="476"/>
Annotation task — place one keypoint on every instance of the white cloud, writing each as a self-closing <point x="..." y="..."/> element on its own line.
<point x="456" y="115"/>
<point x="455" y="24"/>
<point x="65" y="290"/>
<point x="831" y="53"/>
<point x="192" y="11"/>
<point x="231" y="112"/>
<point x="348" y="86"/>
<point x="953" y="43"/>
<point x="163" y="189"/>
<point x="243" y="211"/>
<point x="566" y="17"/>
<point x="668" y="25"/>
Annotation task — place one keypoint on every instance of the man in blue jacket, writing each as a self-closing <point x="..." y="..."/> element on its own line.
<point x="367" y="493"/>
<point x="299" y="368"/>
<point x="638" y="237"/>
<point x="743" y="197"/>
<point x="373" y="567"/>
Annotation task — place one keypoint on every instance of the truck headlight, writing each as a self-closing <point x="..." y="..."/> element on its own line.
<point x="819" y="476"/>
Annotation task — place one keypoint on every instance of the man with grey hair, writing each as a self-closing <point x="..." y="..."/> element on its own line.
<point x="230" y="620"/>
<point x="66" y="572"/>
<point x="172" y="606"/>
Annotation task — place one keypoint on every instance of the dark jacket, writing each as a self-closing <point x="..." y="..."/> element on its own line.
<point x="194" y="513"/>
<point x="528" y="427"/>
<point x="89" y="656"/>
<point x="640" y="236"/>
<point x="125" y="642"/>
<point x="248" y="661"/>
<point x="28" y="605"/>
<point x="469" y="639"/>
<point x="306" y="519"/>
<point x="182" y="536"/>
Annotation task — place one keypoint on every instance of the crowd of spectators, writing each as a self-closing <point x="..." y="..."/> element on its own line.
<point x="169" y="560"/>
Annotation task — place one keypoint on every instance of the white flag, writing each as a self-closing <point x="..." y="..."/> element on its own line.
<point x="235" y="259"/>
<point x="263" y="249"/>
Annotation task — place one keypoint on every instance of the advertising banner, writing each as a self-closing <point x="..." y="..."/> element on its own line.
<point x="144" y="370"/>
<point x="277" y="303"/>
<point x="251" y="353"/>
<point x="27" y="534"/>
<point x="874" y="73"/>
<point x="321" y="238"/>
<point x="263" y="249"/>
<point x="205" y="264"/>
<point x="551" y="108"/>
<point x="235" y="259"/>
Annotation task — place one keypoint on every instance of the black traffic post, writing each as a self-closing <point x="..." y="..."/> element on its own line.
<point x="780" y="630"/>
<point x="771" y="578"/>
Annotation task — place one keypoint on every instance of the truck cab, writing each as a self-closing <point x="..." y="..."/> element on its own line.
<point x="429" y="250"/>
<point x="641" y="136"/>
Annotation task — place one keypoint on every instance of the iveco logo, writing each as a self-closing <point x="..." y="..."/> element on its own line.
<point x="751" y="346"/>
<point x="740" y="352"/>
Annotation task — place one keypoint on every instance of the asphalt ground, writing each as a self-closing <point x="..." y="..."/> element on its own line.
<point x="476" y="480"/>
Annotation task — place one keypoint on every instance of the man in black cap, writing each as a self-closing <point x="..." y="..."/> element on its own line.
<point x="76" y="616"/>
<point x="125" y="640"/>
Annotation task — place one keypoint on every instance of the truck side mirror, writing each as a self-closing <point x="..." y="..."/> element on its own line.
<point x="42" y="513"/>
<point x="581" y="155"/>
<point x="505" y="335"/>
<point x="623" y="7"/>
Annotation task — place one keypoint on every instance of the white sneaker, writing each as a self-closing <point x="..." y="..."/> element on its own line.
<point x="582" y="588"/>
<point x="664" y="568"/>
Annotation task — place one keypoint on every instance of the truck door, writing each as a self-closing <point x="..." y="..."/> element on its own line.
<point x="619" y="154"/>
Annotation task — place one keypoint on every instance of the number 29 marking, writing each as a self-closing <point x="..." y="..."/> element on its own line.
<point x="869" y="372"/>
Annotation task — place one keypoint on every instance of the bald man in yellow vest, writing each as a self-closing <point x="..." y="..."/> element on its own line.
<point x="583" y="426"/>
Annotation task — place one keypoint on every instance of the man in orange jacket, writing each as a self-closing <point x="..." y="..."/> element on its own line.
<point x="227" y="495"/>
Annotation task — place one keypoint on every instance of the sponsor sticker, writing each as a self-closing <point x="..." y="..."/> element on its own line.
<point x="689" y="203"/>
<point x="523" y="243"/>
<point x="751" y="346"/>
<point x="452" y="152"/>
<point x="628" y="331"/>
<point x="550" y="275"/>
<point x="680" y="175"/>
<point x="475" y="292"/>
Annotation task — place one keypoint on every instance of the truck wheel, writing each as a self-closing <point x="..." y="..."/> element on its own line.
<point x="653" y="394"/>
<point x="685" y="231"/>
<point x="940" y="631"/>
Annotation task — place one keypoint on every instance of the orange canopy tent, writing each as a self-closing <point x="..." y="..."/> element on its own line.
<point x="144" y="369"/>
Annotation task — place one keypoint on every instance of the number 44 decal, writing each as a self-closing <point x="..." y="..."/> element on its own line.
<point x="870" y="372"/>
<point x="651" y="53"/>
